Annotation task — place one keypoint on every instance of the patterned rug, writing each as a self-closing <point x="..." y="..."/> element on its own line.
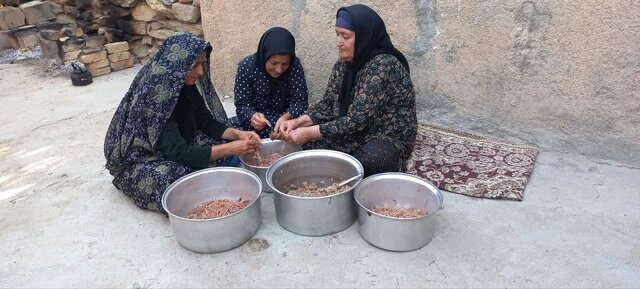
<point x="471" y="165"/>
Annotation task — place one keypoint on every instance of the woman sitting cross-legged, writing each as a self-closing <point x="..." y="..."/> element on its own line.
<point x="171" y="123"/>
<point x="368" y="109"/>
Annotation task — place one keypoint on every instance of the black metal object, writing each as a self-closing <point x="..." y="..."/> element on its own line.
<point x="80" y="76"/>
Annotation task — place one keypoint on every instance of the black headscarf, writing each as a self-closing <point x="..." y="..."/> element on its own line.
<point x="276" y="40"/>
<point x="143" y="112"/>
<point x="371" y="39"/>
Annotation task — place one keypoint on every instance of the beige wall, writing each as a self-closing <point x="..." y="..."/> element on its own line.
<point x="563" y="75"/>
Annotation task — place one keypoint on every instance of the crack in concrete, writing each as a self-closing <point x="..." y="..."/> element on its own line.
<point x="169" y="261"/>
<point x="618" y="165"/>
<point x="52" y="123"/>
<point x="15" y="200"/>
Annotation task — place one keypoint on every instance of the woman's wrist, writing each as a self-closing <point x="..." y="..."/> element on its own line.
<point x="220" y="151"/>
<point x="313" y="132"/>
<point x="230" y="134"/>
<point x="305" y="120"/>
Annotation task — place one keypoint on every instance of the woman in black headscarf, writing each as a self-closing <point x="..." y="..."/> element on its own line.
<point x="171" y="123"/>
<point x="270" y="85"/>
<point x="368" y="109"/>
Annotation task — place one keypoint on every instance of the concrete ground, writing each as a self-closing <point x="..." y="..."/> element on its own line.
<point x="62" y="223"/>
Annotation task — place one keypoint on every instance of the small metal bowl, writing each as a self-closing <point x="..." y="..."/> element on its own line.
<point x="268" y="147"/>
<point x="218" y="234"/>
<point x="404" y="190"/>
<point x="314" y="216"/>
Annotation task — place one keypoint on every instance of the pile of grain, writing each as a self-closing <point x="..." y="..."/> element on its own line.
<point x="269" y="160"/>
<point x="309" y="189"/>
<point x="217" y="208"/>
<point x="399" y="212"/>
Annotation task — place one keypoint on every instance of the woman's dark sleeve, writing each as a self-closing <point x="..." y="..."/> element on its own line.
<point x="175" y="148"/>
<point x="299" y="92"/>
<point x="205" y="120"/>
<point x="322" y="111"/>
<point x="243" y="91"/>
<point x="371" y="93"/>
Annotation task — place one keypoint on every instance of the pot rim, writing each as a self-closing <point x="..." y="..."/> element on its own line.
<point x="182" y="179"/>
<point x="392" y="175"/>
<point x="262" y="141"/>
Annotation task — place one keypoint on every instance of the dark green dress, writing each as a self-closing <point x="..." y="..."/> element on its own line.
<point x="190" y="117"/>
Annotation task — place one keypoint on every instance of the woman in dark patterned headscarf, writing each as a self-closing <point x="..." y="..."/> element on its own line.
<point x="170" y="123"/>
<point x="368" y="109"/>
<point x="270" y="84"/>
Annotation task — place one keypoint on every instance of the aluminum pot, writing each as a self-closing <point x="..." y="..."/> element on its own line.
<point x="404" y="190"/>
<point x="314" y="216"/>
<point x="219" y="234"/>
<point x="268" y="147"/>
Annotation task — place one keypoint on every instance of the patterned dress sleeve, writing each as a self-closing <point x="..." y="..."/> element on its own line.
<point x="369" y="96"/>
<point x="322" y="111"/>
<point x="299" y="92"/>
<point x="243" y="90"/>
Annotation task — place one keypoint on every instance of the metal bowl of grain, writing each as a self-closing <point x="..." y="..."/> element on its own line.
<point x="215" y="209"/>
<point x="308" y="215"/>
<point x="270" y="151"/>
<point x="396" y="211"/>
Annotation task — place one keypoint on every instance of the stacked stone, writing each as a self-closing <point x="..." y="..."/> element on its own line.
<point x="19" y="25"/>
<point x="94" y="56"/>
<point x="119" y="56"/>
<point x="71" y="45"/>
<point x="153" y="21"/>
<point x="70" y="30"/>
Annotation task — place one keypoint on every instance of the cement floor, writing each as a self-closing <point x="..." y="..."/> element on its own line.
<point x="62" y="223"/>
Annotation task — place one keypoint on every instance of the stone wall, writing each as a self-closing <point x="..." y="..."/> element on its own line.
<point x="563" y="75"/>
<point x="95" y="32"/>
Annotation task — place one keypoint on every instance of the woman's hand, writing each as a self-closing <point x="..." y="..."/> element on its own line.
<point x="289" y="125"/>
<point x="276" y="136"/>
<point x="247" y="135"/>
<point x="244" y="146"/>
<point x="297" y="136"/>
<point x="246" y="142"/>
<point x="258" y="121"/>
<point x="278" y="128"/>
<point x="302" y="135"/>
<point x="236" y="134"/>
<point x="242" y="143"/>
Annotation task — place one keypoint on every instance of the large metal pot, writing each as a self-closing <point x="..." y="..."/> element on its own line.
<point x="219" y="234"/>
<point x="397" y="234"/>
<point x="315" y="216"/>
<point x="268" y="147"/>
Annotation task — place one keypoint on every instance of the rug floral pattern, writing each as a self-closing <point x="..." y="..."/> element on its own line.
<point x="471" y="165"/>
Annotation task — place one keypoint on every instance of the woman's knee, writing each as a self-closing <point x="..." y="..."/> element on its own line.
<point x="378" y="156"/>
<point x="146" y="183"/>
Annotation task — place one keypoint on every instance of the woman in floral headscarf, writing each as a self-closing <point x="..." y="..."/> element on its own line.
<point x="170" y="123"/>
<point x="368" y="109"/>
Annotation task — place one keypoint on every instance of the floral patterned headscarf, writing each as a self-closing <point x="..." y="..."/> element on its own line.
<point x="143" y="112"/>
